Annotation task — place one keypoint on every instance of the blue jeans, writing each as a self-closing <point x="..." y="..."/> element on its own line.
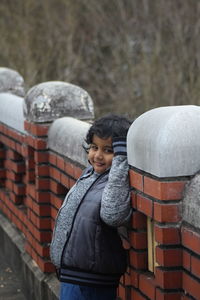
<point x="70" y="291"/>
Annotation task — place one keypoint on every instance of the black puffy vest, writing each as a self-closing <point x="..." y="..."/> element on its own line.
<point x="93" y="253"/>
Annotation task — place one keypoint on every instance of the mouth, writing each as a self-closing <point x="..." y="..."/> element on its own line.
<point x="99" y="164"/>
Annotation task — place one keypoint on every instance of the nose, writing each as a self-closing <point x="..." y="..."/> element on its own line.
<point x="99" y="154"/>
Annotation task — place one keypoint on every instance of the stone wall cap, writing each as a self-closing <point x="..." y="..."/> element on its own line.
<point x="11" y="82"/>
<point x="50" y="100"/>
<point x="66" y="136"/>
<point x="191" y="202"/>
<point x="165" y="141"/>
<point x="11" y="111"/>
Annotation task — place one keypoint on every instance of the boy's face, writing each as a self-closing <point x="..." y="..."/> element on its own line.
<point x="100" y="154"/>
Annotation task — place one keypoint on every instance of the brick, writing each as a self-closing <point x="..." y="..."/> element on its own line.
<point x="145" y="205"/>
<point x="54" y="212"/>
<point x="169" y="257"/>
<point x="1" y="130"/>
<point x="40" y="144"/>
<point x="169" y="190"/>
<point x="69" y="168"/>
<point x="136" y="295"/>
<point x="186" y="259"/>
<point x="43" y="223"/>
<point x="60" y="163"/>
<point x="30" y="163"/>
<point x="42" y="183"/>
<point x="41" y="249"/>
<point x="134" y="199"/>
<point x="77" y="172"/>
<point x="56" y="201"/>
<point x="45" y="266"/>
<point x="52" y="159"/>
<point x="2" y="153"/>
<point x="71" y="182"/>
<point x="195" y="266"/>
<point x="14" y="176"/>
<point x="147" y="286"/>
<point x="16" y="199"/>
<point x="2" y="173"/>
<point x="52" y="223"/>
<point x="64" y="180"/>
<point x="57" y="188"/>
<point x="167" y="235"/>
<point x="138" y="259"/>
<point x="134" y="277"/>
<point x="122" y="292"/>
<point x="185" y="297"/>
<point x="40" y="222"/>
<point x="40" y="235"/>
<point x="168" y="279"/>
<point x="138" y="220"/>
<point x="42" y="210"/>
<point x="127" y="279"/>
<point x="55" y="173"/>
<point x="27" y="125"/>
<point x="30" y="141"/>
<point x="42" y="170"/>
<point x="17" y="167"/>
<point x="30" y="175"/>
<point x="41" y="157"/>
<point x="28" y="248"/>
<point x="191" y="286"/>
<point x="13" y="155"/>
<point x="19" y="189"/>
<point x="9" y="184"/>
<point x="43" y="197"/>
<point x="27" y="151"/>
<point x="136" y="180"/>
<point x="38" y="129"/>
<point x="138" y="240"/>
<point x="163" y="295"/>
<point x="167" y="212"/>
<point x="19" y="148"/>
<point x="190" y="239"/>
<point x="31" y="190"/>
<point x="8" y="164"/>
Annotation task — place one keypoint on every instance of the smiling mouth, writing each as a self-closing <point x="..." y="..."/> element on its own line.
<point x="99" y="164"/>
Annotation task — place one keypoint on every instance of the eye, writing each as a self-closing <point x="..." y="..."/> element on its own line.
<point x="93" y="147"/>
<point x="108" y="150"/>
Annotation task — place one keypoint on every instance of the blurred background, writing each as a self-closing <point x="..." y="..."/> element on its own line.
<point x="130" y="55"/>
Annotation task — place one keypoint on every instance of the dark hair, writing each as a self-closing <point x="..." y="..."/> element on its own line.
<point x="110" y="125"/>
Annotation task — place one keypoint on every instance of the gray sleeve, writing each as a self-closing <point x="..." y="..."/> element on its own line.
<point x="115" y="204"/>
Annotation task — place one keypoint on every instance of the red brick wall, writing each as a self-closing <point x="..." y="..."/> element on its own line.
<point x="33" y="184"/>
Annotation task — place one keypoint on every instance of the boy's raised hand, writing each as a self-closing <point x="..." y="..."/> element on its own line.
<point x="119" y="146"/>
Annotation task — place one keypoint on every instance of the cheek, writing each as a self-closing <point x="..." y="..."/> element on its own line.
<point x="89" y="156"/>
<point x="109" y="161"/>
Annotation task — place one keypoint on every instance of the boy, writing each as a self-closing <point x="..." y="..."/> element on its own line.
<point x="86" y="247"/>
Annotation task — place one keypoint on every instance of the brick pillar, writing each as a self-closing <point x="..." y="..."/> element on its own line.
<point x="45" y="103"/>
<point x="163" y="153"/>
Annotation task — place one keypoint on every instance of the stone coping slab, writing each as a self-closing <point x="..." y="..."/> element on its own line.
<point x="165" y="141"/>
<point x="66" y="136"/>
<point x="11" y="111"/>
<point x="48" y="101"/>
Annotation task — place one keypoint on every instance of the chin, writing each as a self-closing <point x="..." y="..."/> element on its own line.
<point x="99" y="171"/>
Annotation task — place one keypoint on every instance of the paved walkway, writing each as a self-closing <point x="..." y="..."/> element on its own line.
<point x="10" y="285"/>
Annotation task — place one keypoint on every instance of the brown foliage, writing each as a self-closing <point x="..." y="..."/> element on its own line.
<point x="130" y="55"/>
